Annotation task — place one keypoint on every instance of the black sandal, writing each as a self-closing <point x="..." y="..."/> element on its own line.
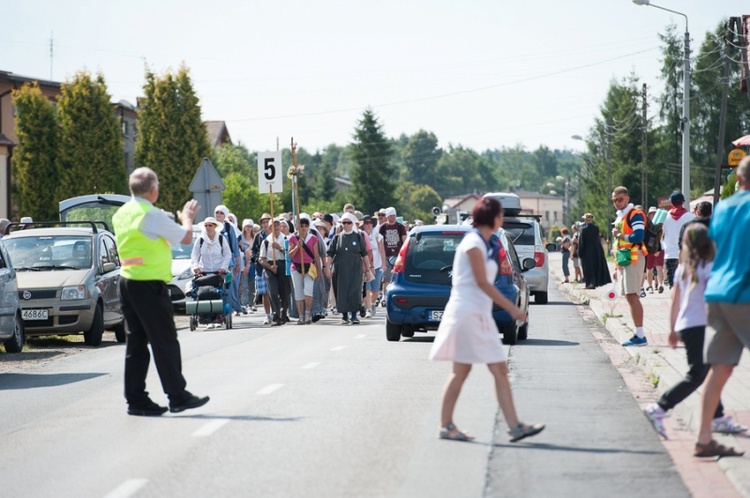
<point x="714" y="449"/>
<point x="451" y="432"/>
<point x="523" y="431"/>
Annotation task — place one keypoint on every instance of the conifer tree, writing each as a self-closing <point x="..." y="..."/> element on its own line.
<point x="90" y="154"/>
<point x="34" y="161"/>
<point x="172" y="139"/>
<point x="372" y="174"/>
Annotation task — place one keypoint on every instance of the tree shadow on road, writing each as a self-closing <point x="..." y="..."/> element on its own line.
<point x="555" y="447"/>
<point x="547" y="342"/>
<point x="241" y="418"/>
<point x="16" y="381"/>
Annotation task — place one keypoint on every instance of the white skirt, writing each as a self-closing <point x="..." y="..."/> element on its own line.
<point x="467" y="337"/>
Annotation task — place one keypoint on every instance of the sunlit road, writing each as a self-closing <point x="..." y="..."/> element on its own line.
<point x="328" y="410"/>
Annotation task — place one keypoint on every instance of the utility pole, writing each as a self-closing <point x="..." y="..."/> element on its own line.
<point x="739" y="27"/>
<point x="728" y="38"/>
<point x="644" y="149"/>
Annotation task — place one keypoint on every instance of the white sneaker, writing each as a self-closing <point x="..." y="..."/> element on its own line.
<point x="725" y="425"/>
<point x="368" y="314"/>
<point x="656" y="414"/>
<point x="267" y="321"/>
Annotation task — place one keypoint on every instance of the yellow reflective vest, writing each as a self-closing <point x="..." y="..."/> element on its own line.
<point x="141" y="257"/>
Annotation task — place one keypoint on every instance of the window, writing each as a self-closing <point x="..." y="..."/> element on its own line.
<point x="124" y="128"/>
<point x="111" y="250"/>
<point x="103" y="254"/>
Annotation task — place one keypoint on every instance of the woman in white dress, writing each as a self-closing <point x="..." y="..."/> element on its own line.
<point x="467" y="332"/>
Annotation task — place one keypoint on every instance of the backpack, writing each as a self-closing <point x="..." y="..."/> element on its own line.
<point x="652" y="238"/>
<point x="221" y="243"/>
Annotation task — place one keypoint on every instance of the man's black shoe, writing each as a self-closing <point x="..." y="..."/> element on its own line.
<point x="150" y="409"/>
<point x="191" y="402"/>
<point x="316" y="318"/>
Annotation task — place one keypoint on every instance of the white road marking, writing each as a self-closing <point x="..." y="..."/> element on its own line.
<point x="270" y="388"/>
<point x="211" y="427"/>
<point x="338" y="348"/>
<point x="311" y="364"/>
<point x="361" y="336"/>
<point x="127" y="489"/>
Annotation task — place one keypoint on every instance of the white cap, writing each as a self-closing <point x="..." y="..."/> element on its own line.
<point x="391" y="211"/>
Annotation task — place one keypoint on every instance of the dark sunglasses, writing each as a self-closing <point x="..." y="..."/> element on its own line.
<point x="346" y="222"/>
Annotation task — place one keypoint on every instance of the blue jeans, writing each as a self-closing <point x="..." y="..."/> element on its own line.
<point x="566" y="259"/>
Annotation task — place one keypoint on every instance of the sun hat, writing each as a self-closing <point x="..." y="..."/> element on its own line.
<point x="211" y="220"/>
<point x="265" y="216"/>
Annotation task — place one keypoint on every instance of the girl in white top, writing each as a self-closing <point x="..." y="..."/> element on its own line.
<point x="688" y="324"/>
<point x="467" y="332"/>
<point x="211" y="252"/>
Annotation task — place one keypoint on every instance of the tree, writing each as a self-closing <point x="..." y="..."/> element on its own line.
<point x="324" y="187"/>
<point x="243" y="199"/>
<point x="372" y="176"/>
<point x="229" y="158"/>
<point x="706" y="109"/>
<point x="90" y="154"/>
<point x="34" y="163"/>
<point x="172" y="138"/>
<point x="420" y="156"/>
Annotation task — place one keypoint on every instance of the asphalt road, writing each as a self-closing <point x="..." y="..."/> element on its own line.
<point x="330" y="410"/>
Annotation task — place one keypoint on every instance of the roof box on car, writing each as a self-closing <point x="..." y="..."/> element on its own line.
<point x="511" y="202"/>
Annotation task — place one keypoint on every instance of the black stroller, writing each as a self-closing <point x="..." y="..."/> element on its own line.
<point x="210" y="300"/>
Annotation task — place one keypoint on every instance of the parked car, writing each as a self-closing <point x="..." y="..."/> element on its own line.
<point x="103" y="207"/>
<point x="68" y="280"/>
<point x="525" y="230"/>
<point x="182" y="275"/>
<point x="421" y="284"/>
<point x="11" y="323"/>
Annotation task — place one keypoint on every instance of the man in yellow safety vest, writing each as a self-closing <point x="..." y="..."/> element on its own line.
<point x="144" y="234"/>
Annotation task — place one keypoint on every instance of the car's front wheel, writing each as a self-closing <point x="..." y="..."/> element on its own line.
<point x="15" y="343"/>
<point x="510" y="333"/>
<point x="392" y="331"/>
<point x="93" y="336"/>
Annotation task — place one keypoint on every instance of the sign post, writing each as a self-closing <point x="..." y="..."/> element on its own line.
<point x="206" y="187"/>
<point x="269" y="179"/>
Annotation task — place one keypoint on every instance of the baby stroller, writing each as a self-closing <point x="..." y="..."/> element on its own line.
<point x="210" y="300"/>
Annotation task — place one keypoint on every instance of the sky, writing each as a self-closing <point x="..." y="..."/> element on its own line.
<point x="483" y="74"/>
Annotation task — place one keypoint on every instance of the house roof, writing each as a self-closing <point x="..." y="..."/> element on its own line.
<point x="5" y="140"/>
<point x="218" y="134"/>
<point x="20" y="79"/>
<point x="455" y="201"/>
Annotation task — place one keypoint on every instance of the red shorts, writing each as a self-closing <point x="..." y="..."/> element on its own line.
<point x="654" y="260"/>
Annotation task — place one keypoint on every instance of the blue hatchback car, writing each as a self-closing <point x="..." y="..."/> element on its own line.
<point x="421" y="283"/>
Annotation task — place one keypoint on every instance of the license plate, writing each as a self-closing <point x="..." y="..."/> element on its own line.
<point x="34" y="314"/>
<point x="435" y="316"/>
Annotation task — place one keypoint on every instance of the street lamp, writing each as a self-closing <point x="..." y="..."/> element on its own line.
<point x="685" y="101"/>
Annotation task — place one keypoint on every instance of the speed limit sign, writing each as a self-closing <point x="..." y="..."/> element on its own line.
<point x="270" y="172"/>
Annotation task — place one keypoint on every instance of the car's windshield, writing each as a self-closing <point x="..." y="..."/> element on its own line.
<point x="183" y="251"/>
<point x="50" y="252"/>
<point x="521" y="234"/>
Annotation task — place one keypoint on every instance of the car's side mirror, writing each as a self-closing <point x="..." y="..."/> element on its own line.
<point x="529" y="263"/>
<point x="551" y="247"/>
<point x="108" y="267"/>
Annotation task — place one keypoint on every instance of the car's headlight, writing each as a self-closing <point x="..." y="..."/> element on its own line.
<point x="73" y="293"/>
<point x="188" y="273"/>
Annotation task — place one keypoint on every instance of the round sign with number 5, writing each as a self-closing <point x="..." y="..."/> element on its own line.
<point x="269" y="172"/>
